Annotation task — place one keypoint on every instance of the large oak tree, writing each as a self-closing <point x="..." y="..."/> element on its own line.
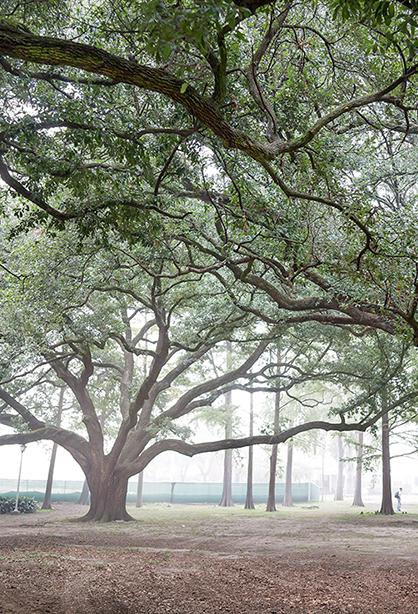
<point x="89" y="318"/>
<point x="271" y="140"/>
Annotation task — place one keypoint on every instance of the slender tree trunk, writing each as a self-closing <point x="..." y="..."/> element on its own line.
<point x="324" y="437"/>
<point x="287" y="501"/>
<point x="140" y="485"/>
<point x="139" y="489"/>
<point x="386" y="507"/>
<point x="226" y="500"/>
<point x="46" y="505"/>
<point x="249" y="501"/>
<point x="339" y="492"/>
<point x="271" y="500"/>
<point x="84" y="497"/>
<point x="358" y="501"/>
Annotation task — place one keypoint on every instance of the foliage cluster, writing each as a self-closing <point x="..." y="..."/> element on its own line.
<point x="26" y="505"/>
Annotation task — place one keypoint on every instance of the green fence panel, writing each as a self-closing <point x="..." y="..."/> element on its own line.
<point x="164" y="492"/>
<point x="198" y="492"/>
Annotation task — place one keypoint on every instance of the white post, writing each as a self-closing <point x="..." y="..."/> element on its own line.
<point x="22" y="449"/>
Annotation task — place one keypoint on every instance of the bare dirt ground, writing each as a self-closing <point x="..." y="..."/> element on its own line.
<point x="204" y="559"/>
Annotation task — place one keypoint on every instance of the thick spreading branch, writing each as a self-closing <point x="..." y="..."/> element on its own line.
<point x="226" y="444"/>
<point x="190" y="450"/>
<point x="317" y="304"/>
<point x="18" y="43"/>
<point x="78" y="447"/>
<point x="159" y="360"/>
<point x="27" y="416"/>
<point x="31" y="196"/>
<point x="79" y="388"/>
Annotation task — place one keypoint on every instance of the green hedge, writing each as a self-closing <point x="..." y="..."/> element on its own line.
<point x="40" y="496"/>
<point x="26" y="505"/>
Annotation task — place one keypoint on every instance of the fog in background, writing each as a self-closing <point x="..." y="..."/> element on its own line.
<point x="319" y="463"/>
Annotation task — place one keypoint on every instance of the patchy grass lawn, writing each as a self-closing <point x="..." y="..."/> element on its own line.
<point x="201" y="559"/>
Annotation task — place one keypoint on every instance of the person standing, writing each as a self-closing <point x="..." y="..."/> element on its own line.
<point x="398" y="497"/>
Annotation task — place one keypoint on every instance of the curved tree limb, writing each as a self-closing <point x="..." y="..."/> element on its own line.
<point x="18" y="43"/>
<point x="190" y="450"/>
<point x="27" y="416"/>
<point x="76" y="445"/>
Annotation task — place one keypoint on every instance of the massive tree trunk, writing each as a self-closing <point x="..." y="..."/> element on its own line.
<point x="359" y="467"/>
<point x="271" y="500"/>
<point x="46" y="505"/>
<point x="249" y="501"/>
<point x="108" y="489"/>
<point x="386" y="507"/>
<point x="107" y="498"/>
<point x="287" y="501"/>
<point x="339" y="492"/>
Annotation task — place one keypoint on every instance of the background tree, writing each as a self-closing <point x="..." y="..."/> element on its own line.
<point x="271" y="497"/>
<point x="249" y="501"/>
<point x="226" y="499"/>
<point x="46" y="505"/>
<point x="388" y="378"/>
<point x="339" y="490"/>
<point x="287" y="499"/>
<point x="358" y="499"/>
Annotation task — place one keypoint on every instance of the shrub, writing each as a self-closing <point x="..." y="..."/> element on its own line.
<point x="26" y="505"/>
<point x="7" y="505"/>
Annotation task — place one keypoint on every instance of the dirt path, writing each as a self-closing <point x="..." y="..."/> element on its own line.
<point x="187" y="559"/>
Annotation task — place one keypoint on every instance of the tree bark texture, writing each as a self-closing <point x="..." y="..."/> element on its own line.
<point x="107" y="499"/>
<point x="339" y="491"/>
<point x="358" y="501"/>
